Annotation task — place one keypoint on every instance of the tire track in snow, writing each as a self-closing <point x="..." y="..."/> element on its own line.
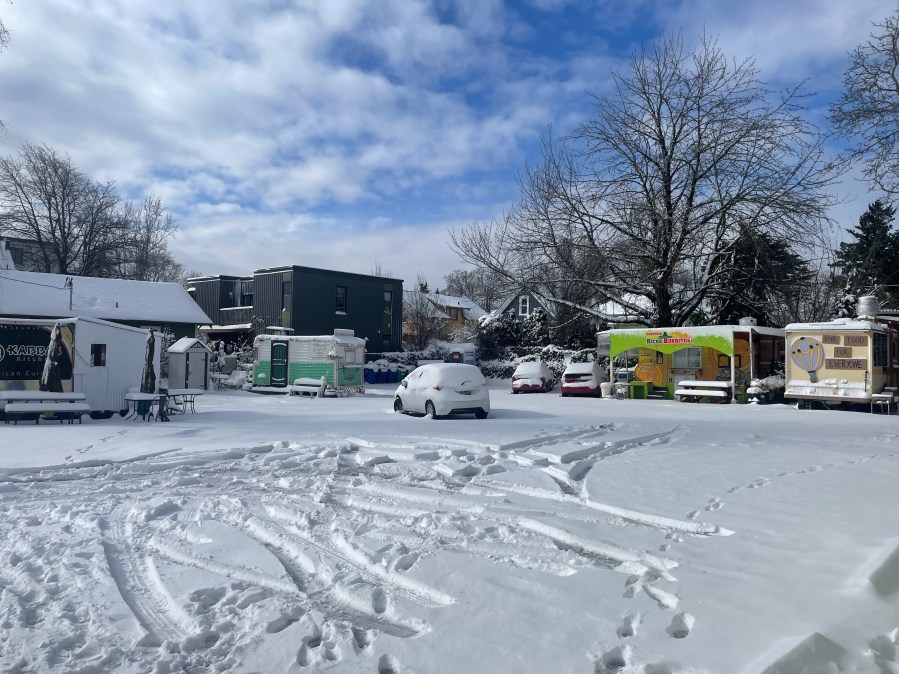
<point x="139" y="585"/>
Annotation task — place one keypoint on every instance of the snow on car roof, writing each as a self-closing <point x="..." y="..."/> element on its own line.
<point x="580" y="367"/>
<point x="530" y="366"/>
<point x="452" y="372"/>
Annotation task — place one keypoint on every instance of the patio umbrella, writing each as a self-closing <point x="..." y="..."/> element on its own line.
<point x="148" y="381"/>
<point x="50" y="378"/>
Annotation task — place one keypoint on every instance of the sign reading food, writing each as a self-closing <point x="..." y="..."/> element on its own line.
<point x="855" y="340"/>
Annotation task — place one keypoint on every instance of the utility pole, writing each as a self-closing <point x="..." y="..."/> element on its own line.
<point x="71" y="287"/>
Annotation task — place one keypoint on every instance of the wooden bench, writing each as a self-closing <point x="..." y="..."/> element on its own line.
<point x="33" y="411"/>
<point x="694" y="391"/>
<point x="308" y="386"/>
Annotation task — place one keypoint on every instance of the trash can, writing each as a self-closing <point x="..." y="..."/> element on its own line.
<point x="391" y="373"/>
<point x="639" y="389"/>
<point x="606" y="389"/>
<point x="369" y="373"/>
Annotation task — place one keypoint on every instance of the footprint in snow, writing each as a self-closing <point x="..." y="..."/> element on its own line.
<point x="680" y="626"/>
<point x="388" y="664"/>
<point x="629" y="627"/>
<point x="379" y="600"/>
<point x="714" y="504"/>
<point x="614" y="660"/>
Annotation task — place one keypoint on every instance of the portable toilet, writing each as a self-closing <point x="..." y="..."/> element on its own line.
<point x="189" y="360"/>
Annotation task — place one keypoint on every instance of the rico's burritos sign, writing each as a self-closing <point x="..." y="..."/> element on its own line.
<point x="23" y="349"/>
<point x="665" y="338"/>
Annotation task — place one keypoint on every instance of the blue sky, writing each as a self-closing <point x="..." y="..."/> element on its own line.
<point x="352" y="133"/>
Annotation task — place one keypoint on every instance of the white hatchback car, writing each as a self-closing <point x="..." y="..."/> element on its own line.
<point x="439" y="389"/>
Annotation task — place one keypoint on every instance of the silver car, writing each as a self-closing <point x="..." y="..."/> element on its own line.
<point x="439" y="389"/>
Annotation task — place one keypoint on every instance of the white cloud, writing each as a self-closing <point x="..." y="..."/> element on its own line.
<point x="256" y="123"/>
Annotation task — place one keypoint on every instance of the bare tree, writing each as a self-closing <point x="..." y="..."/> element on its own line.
<point x="380" y="269"/>
<point x="643" y="202"/>
<point x="45" y="198"/>
<point x="422" y="319"/>
<point x="4" y="42"/>
<point x="479" y="285"/>
<point x="868" y="109"/>
<point x="146" y="257"/>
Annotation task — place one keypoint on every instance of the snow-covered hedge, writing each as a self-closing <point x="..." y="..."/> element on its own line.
<point x="766" y="390"/>
<point x="556" y="358"/>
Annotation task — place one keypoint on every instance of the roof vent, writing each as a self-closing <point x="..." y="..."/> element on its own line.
<point x="749" y="320"/>
<point x="868" y="307"/>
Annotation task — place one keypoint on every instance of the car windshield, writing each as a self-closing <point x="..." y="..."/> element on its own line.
<point x="579" y="368"/>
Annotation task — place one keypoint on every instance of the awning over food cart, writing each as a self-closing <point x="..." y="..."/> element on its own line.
<point x="669" y="340"/>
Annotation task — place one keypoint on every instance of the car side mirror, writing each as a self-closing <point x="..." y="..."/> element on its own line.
<point x="404" y="384"/>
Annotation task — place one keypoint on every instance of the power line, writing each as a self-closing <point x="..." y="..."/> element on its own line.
<point x="31" y="283"/>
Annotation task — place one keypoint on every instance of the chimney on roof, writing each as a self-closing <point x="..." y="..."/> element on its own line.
<point x="868" y="307"/>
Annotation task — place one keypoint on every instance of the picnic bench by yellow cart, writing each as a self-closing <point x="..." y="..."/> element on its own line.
<point x="694" y="391"/>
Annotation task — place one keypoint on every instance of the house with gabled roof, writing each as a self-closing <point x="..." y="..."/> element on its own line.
<point x="145" y="304"/>
<point x="452" y="311"/>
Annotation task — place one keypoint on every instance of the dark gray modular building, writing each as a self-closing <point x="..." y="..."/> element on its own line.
<point x="304" y="301"/>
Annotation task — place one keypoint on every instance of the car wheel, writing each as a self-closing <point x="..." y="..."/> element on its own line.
<point x="515" y="391"/>
<point x="564" y="395"/>
<point x="430" y="410"/>
<point x="481" y="414"/>
<point x="398" y="405"/>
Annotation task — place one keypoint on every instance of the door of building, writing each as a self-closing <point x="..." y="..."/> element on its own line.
<point x="279" y="363"/>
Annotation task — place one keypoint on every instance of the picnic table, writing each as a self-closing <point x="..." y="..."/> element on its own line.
<point x="141" y="404"/>
<point x="185" y="397"/>
<point x="32" y="405"/>
<point x="692" y="391"/>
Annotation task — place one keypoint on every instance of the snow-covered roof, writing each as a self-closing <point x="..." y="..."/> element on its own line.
<point x="184" y="344"/>
<point x="24" y="293"/>
<point x="836" y="324"/>
<point x="236" y="327"/>
<point x="470" y="308"/>
<point x="347" y="340"/>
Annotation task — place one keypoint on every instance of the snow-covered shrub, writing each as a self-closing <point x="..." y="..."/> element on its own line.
<point x="768" y="389"/>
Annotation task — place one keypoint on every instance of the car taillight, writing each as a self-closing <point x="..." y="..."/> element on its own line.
<point x="515" y="377"/>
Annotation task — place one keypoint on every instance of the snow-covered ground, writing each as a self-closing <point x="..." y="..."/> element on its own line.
<point x="287" y="535"/>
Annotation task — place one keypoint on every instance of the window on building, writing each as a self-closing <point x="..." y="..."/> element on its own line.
<point x="880" y="350"/>
<point x="246" y="293"/>
<point x="524" y="305"/>
<point x="688" y="359"/>
<point x="98" y="355"/>
<point x="341" y="300"/>
<point x="18" y="256"/>
<point x="285" y="295"/>
<point x="387" y="323"/>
